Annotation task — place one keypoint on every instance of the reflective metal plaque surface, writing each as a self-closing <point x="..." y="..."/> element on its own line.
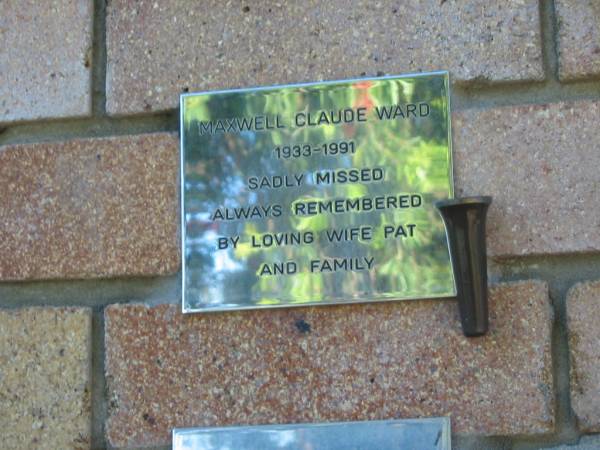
<point x="316" y="194"/>
<point x="417" y="434"/>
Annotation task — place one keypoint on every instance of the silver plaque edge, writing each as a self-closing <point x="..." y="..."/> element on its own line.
<point x="443" y="420"/>
<point x="312" y="84"/>
<point x="181" y="201"/>
<point x="182" y="97"/>
<point x="309" y="304"/>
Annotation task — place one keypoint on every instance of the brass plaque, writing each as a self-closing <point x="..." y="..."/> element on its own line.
<point x="316" y="194"/>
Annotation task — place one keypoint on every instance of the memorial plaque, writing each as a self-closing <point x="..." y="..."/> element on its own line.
<point x="408" y="434"/>
<point x="316" y="193"/>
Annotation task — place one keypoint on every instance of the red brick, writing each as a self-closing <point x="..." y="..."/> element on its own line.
<point x="360" y="362"/>
<point x="540" y="163"/>
<point x="45" y="59"/>
<point x="89" y="208"/>
<point x="158" y="49"/>
<point x="578" y="38"/>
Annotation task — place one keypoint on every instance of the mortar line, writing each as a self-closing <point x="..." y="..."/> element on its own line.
<point x="91" y="293"/>
<point x="99" y="59"/>
<point x="549" y="40"/>
<point x="86" y="128"/>
<point x="12" y="304"/>
<point x="566" y="427"/>
<point x="521" y="94"/>
<point x="98" y="389"/>
<point x="473" y="442"/>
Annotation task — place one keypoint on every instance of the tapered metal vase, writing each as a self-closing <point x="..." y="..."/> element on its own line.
<point x="464" y="219"/>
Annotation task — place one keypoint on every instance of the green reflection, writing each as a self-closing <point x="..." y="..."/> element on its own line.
<point x="400" y="128"/>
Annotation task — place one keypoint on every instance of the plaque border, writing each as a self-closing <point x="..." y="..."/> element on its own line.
<point x="182" y="96"/>
<point x="446" y="437"/>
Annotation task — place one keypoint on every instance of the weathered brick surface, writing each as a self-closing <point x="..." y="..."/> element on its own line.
<point x="45" y="378"/>
<point x="578" y="38"/>
<point x="89" y="208"/>
<point x="216" y="45"/>
<point x="360" y="362"/>
<point x="540" y="163"/>
<point x="45" y="51"/>
<point x="583" y="310"/>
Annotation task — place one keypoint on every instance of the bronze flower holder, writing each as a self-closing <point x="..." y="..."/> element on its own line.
<point x="464" y="219"/>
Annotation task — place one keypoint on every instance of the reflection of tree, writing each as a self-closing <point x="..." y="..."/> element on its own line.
<point x="413" y="152"/>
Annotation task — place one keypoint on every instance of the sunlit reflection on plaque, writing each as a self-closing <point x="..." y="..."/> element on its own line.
<point x="316" y="194"/>
<point x="409" y="434"/>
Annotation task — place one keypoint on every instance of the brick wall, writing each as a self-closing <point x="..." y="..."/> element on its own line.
<point x="94" y="352"/>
